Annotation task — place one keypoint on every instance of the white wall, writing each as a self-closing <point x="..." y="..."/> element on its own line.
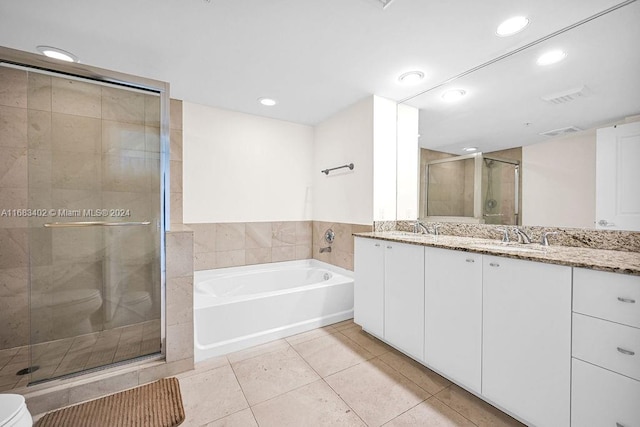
<point x="346" y="137"/>
<point x="384" y="159"/>
<point x="559" y="182"/>
<point x="241" y="168"/>
<point x="408" y="154"/>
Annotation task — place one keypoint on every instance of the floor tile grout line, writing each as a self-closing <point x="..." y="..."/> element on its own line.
<point x="341" y="370"/>
<point x="254" y="416"/>
<point x="257" y="355"/>
<point x="404" y="412"/>
<point x="345" y="402"/>
<point x="280" y="394"/>
<point x="310" y="339"/>
<point x="452" y="408"/>
<point x="418" y="385"/>
<point x="239" y="384"/>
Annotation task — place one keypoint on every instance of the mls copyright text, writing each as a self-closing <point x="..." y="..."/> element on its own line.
<point x="64" y="213"/>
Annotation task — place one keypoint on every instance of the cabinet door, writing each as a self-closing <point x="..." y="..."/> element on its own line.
<point x="603" y="398"/>
<point x="526" y="363"/>
<point x="368" y="303"/>
<point x="404" y="297"/>
<point x="453" y="315"/>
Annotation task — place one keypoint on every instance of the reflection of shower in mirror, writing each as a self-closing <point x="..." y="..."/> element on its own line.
<point x="479" y="188"/>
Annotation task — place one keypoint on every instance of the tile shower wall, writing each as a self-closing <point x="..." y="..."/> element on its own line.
<point x="175" y="136"/>
<point x="219" y="245"/>
<point x="341" y="254"/>
<point x="14" y="256"/>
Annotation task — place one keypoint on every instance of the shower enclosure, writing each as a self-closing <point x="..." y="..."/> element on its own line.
<point x="472" y="188"/>
<point x="81" y="195"/>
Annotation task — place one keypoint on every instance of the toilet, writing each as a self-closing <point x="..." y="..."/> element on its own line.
<point x="70" y="310"/>
<point x="14" y="412"/>
<point x="134" y="307"/>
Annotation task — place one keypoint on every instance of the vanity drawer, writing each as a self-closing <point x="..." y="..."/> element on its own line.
<point x="607" y="344"/>
<point x="609" y="296"/>
<point x="603" y="398"/>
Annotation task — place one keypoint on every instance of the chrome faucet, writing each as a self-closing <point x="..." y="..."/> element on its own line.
<point x="522" y="236"/>
<point x="545" y="237"/>
<point x="418" y="225"/>
<point x="327" y="249"/>
<point x="505" y="234"/>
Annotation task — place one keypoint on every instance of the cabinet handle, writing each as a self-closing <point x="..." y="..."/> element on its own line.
<point x="625" y="351"/>
<point x="377" y="245"/>
<point x="389" y="247"/>
<point x="629" y="300"/>
<point x="494" y="264"/>
<point x="470" y="260"/>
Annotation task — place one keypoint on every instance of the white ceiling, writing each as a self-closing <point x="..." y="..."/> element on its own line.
<point x="504" y="108"/>
<point x="315" y="57"/>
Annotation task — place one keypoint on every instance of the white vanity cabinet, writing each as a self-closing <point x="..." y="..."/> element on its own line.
<point x="389" y="292"/>
<point x="404" y="297"/>
<point x="368" y="302"/>
<point x="526" y="356"/>
<point x="605" y="381"/>
<point x="453" y="315"/>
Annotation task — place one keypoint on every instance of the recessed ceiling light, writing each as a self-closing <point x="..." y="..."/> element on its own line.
<point x="54" y="52"/>
<point x="411" y="77"/>
<point x="453" y="95"/>
<point x="512" y="25"/>
<point x="470" y="149"/>
<point x="269" y="102"/>
<point x="551" y="57"/>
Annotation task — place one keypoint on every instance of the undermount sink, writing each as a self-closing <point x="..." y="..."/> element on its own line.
<point x="510" y="248"/>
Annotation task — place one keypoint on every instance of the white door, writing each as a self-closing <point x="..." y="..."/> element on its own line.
<point x="404" y="297"/>
<point x="453" y="315"/>
<point x="618" y="177"/>
<point x="368" y="308"/>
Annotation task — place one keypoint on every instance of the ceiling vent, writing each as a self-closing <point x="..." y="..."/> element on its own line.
<point x="562" y="131"/>
<point x="566" y="96"/>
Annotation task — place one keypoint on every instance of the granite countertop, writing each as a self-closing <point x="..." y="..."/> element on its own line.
<point x="596" y="259"/>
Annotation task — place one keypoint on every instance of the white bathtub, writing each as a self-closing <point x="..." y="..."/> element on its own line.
<point x="239" y="307"/>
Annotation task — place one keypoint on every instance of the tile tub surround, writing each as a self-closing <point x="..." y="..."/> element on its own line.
<point x="596" y="259"/>
<point x="219" y="245"/>
<point x="341" y="254"/>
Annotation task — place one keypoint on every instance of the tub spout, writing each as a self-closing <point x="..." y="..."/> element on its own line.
<point x="327" y="249"/>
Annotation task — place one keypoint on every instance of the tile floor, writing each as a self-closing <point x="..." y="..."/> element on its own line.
<point x="333" y="376"/>
<point x="65" y="356"/>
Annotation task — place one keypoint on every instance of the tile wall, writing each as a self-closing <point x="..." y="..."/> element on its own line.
<point x="175" y="136"/>
<point x="219" y="245"/>
<point x="341" y="253"/>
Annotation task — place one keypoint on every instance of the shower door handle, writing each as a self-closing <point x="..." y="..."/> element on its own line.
<point x="94" y="224"/>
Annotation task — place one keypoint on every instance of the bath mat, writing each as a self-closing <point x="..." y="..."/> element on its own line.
<point x="158" y="404"/>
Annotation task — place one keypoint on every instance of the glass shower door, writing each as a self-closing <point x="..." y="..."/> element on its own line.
<point x="94" y="189"/>
<point x="500" y="192"/>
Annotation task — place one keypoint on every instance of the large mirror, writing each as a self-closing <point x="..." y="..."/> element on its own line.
<point x="546" y="114"/>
